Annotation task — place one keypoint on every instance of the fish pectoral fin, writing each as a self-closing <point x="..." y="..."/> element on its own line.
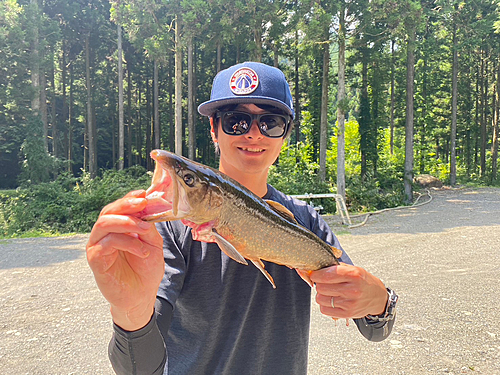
<point x="282" y="211"/>
<point x="258" y="263"/>
<point x="228" y="249"/>
<point x="336" y="252"/>
<point x="306" y="276"/>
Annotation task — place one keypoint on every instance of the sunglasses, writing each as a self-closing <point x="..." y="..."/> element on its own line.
<point x="238" y="123"/>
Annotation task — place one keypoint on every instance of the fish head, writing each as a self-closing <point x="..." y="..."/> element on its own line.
<point x="181" y="189"/>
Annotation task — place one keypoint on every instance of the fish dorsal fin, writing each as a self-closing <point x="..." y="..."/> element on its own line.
<point x="282" y="211"/>
<point x="228" y="249"/>
<point x="336" y="252"/>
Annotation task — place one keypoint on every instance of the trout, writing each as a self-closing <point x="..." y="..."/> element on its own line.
<point x="221" y="210"/>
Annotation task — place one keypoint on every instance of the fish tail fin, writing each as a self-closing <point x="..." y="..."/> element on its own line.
<point x="258" y="263"/>
<point x="306" y="276"/>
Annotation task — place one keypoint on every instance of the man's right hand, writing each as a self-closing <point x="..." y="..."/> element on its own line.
<point x="126" y="257"/>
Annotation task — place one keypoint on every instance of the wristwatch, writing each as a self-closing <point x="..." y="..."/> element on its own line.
<point x="390" y="309"/>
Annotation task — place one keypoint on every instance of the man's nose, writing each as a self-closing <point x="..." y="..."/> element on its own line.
<point x="254" y="131"/>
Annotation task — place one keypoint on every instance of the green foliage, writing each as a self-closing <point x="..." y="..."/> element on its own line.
<point x="37" y="165"/>
<point x="352" y="151"/>
<point x="274" y="32"/>
<point x="296" y="173"/>
<point x="67" y="204"/>
<point x="370" y="194"/>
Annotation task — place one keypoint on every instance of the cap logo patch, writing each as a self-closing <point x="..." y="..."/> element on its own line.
<point x="244" y="81"/>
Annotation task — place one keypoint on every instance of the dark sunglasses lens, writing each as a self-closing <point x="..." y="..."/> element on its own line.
<point x="273" y="126"/>
<point x="236" y="123"/>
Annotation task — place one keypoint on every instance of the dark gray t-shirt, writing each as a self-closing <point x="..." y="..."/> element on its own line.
<point x="217" y="316"/>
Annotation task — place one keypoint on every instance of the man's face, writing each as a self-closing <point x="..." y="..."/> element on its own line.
<point x="250" y="153"/>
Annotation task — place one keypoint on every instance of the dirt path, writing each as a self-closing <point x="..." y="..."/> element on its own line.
<point x="444" y="261"/>
<point x="442" y="258"/>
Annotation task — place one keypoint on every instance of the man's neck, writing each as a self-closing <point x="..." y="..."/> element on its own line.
<point x="256" y="183"/>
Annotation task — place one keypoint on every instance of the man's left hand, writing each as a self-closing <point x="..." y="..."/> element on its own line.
<point x="356" y="292"/>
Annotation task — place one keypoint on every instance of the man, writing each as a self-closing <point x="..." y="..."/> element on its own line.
<point x="181" y="306"/>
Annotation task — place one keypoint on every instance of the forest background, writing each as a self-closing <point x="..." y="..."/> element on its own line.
<point x="383" y="91"/>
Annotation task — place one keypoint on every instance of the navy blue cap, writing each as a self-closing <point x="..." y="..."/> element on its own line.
<point x="249" y="82"/>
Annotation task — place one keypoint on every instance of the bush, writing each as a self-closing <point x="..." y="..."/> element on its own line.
<point x="296" y="173"/>
<point x="67" y="204"/>
<point x="373" y="194"/>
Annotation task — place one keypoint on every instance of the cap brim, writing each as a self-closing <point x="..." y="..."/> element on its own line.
<point x="210" y="107"/>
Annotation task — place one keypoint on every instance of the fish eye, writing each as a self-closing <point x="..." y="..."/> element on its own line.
<point x="189" y="179"/>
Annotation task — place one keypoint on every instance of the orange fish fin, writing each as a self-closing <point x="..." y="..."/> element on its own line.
<point x="228" y="249"/>
<point x="336" y="252"/>
<point x="258" y="263"/>
<point x="282" y="211"/>
<point x="306" y="276"/>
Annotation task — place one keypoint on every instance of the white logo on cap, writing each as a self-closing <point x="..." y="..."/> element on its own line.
<point x="244" y="81"/>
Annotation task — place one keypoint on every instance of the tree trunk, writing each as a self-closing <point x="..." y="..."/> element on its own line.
<point x="496" y="118"/>
<point x="70" y="120"/>
<point x="138" y="137"/>
<point x="477" y="107"/>
<point x="257" y="35"/>
<point x="121" y="124"/>
<point x="191" y="129"/>
<point x="323" y="133"/>
<point x="43" y="109"/>
<point x="35" y="61"/>
<point x="156" y="106"/>
<point x="53" y="117"/>
<point x="425" y="105"/>
<point x="454" y="94"/>
<point x="410" y="65"/>
<point x="178" y="88"/>
<point x="393" y="100"/>
<point x="484" y="106"/>
<point x="341" y="107"/>
<point x="90" y="117"/>
<point x="65" y="111"/>
<point x="365" y="123"/>
<point x="148" y="124"/>
<point x="129" y="115"/>
<point x="296" y="91"/>
<point x="171" y="110"/>
<point x="219" y="55"/>
<point x="275" y="55"/>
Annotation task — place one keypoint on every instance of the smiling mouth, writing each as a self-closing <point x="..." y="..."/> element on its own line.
<point x="250" y="149"/>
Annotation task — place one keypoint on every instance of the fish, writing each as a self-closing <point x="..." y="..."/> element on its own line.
<point x="221" y="210"/>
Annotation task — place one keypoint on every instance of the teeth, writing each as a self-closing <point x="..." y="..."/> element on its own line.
<point x="252" y="149"/>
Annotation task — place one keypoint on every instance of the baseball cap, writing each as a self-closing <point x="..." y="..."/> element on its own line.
<point x="249" y="82"/>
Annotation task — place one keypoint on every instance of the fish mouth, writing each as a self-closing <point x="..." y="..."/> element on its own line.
<point x="166" y="197"/>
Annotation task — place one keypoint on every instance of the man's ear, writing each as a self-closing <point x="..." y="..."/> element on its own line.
<point x="212" y="131"/>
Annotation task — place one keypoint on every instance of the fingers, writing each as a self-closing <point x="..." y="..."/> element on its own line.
<point x="131" y="203"/>
<point x="117" y="224"/>
<point x="102" y="255"/>
<point x="117" y="230"/>
<point x="339" y="309"/>
<point x="335" y="274"/>
<point x="355" y="292"/>
<point x="340" y="283"/>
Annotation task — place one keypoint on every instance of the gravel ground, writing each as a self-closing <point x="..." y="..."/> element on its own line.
<point x="442" y="258"/>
